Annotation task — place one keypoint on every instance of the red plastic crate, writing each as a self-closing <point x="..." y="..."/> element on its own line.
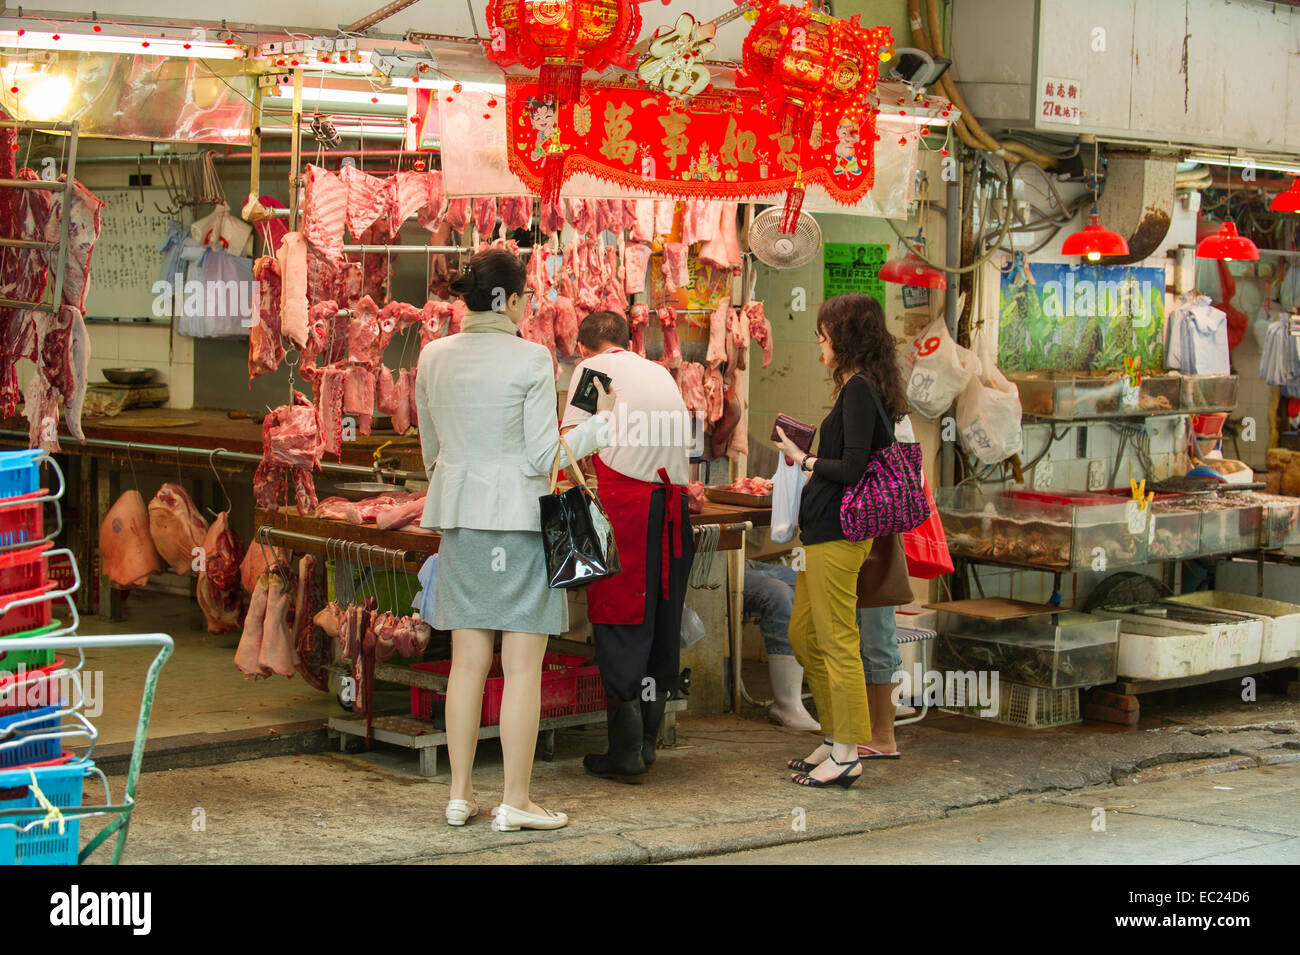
<point x="30" y="689"/>
<point x="25" y="569"/>
<point x="570" y="684"/>
<point x="32" y="616"/>
<point x="22" y="523"/>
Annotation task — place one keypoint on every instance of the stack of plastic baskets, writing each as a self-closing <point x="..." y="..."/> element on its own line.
<point x="36" y="715"/>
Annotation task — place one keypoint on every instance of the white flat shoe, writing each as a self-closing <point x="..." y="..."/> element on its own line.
<point x="510" y="819"/>
<point x="459" y="811"/>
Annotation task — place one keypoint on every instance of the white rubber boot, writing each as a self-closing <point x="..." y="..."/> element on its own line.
<point x="787" y="692"/>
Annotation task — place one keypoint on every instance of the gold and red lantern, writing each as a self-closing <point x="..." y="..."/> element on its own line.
<point x="804" y="63"/>
<point x="561" y="39"/>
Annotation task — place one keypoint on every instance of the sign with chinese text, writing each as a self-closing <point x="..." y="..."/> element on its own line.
<point x="853" y="267"/>
<point x="724" y="145"/>
<point x="1061" y="100"/>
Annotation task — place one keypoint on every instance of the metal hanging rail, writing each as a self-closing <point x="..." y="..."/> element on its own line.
<point x="413" y="249"/>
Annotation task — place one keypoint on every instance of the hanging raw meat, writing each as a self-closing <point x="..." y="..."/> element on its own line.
<point x="327" y="338"/>
<point x="541" y="328"/>
<point x="218" y="587"/>
<point x="459" y="212"/>
<point x="359" y="396"/>
<point x="62" y="371"/>
<point x="431" y="213"/>
<point x="717" y="352"/>
<point x="690" y="380"/>
<point x="324" y="212"/>
<point x="351" y="283"/>
<point x="385" y="391"/>
<point x="566" y="325"/>
<point x="364" y="334"/>
<point x="393" y="318"/>
<point x="329" y="402"/>
<point x="485" y="216"/>
<point x="83" y="233"/>
<point x="376" y="267"/>
<point x="607" y="220"/>
<point x="643" y="221"/>
<point x="730" y="418"/>
<point x="249" y="651"/>
<point x="291" y="448"/>
<point x="313" y="654"/>
<point x="539" y="276"/>
<point x="675" y="267"/>
<point x="220" y="610"/>
<point x="405" y="192"/>
<point x="713" y="394"/>
<point x="255" y="564"/>
<point x="323" y="276"/>
<point x="367" y="201"/>
<point x="458" y="312"/>
<point x="636" y="259"/>
<point x="664" y="211"/>
<point x="699" y="221"/>
<point x="292" y="258"/>
<point x="737" y="338"/>
<point x="637" y="323"/>
<point x="265" y="350"/>
<point x="125" y="546"/>
<point x="402" y="401"/>
<point x="672" y="356"/>
<point x="516" y="212"/>
<point x="723" y="250"/>
<point x="176" y="527"/>
<point x="276" y="652"/>
<point x="434" y="317"/>
<point x="760" y="329"/>
<point x="552" y="218"/>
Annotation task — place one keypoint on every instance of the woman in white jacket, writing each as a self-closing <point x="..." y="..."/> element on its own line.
<point x="489" y="433"/>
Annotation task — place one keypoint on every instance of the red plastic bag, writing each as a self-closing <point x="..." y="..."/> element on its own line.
<point x="926" y="547"/>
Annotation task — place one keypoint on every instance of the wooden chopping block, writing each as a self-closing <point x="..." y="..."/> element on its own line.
<point x="1291" y="477"/>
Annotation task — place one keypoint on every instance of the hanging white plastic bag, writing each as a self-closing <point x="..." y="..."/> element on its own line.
<point x="692" y="628"/>
<point x="988" y="412"/>
<point x="937" y="370"/>
<point x="787" y="488"/>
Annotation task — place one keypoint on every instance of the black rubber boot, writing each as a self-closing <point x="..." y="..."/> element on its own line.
<point x="652" y="718"/>
<point x="623" y="761"/>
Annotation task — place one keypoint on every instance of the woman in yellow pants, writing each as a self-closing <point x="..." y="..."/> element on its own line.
<point x="869" y="398"/>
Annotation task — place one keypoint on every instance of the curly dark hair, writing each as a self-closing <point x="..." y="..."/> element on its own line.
<point x="860" y="342"/>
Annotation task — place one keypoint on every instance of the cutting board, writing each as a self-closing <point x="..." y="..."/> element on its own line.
<point x="995" y="608"/>
<point x="145" y="420"/>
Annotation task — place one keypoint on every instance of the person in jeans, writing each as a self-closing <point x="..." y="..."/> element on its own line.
<point x="869" y="398"/>
<point x="489" y="433"/>
<point x="769" y="596"/>
<point x="881" y="662"/>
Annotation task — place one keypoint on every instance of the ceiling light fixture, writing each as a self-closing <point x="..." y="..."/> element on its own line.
<point x="1094" y="240"/>
<point x="1227" y="243"/>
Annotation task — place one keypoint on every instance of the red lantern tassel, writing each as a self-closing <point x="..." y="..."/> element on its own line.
<point x="793" y="204"/>
<point x="552" y="176"/>
<point x="560" y="82"/>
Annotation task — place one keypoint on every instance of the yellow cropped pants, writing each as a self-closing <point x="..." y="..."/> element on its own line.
<point x="824" y="637"/>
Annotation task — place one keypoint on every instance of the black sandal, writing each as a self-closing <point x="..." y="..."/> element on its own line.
<point x="844" y="780"/>
<point x="802" y="765"/>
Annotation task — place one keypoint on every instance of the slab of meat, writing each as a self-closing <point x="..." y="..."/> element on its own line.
<point x="393" y="318"/>
<point x="552" y="218"/>
<point x="406" y="192"/>
<point x="410" y="393"/>
<point x="485" y="216"/>
<point x="539" y="276"/>
<point x="431" y="213"/>
<point x="636" y="259"/>
<point x="351" y="283"/>
<point x="327" y="338"/>
<point x="379" y="637"/>
<point x="516" y="212"/>
<point x="737" y="338"/>
<point x="665" y="211"/>
<point x="400" y="515"/>
<point x="276" y="653"/>
<point x="249" y="651"/>
<point x="61" y="373"/>
<point x="402" y="400"/>
<point x="329" y="403"/>
<point x="723" y="250"/>
<point x="324" y="212"/>
<point x="125" y="546"/>
<point x="643" y="221"/>
<point x="411" y="636"/>
<point x="581" y="214"/>
<point x="291" y="447"/>
<point x="690" y="381"/>
<point x="717" y="352"/>
<point x="323" y="278"/>
<point x="729" y="419"/>
<point x="313" y="654"/>
<point x="376" y="268"/>
<point x="614" y="297"/>
<point x="367" y="200"/>
<point x="255" y="564"/>
<point x="434" y="317"/>
<point x="329" y="617"/>
<point x="540" y="326"/>
<point x="364" y="334"/>
<point x="713" y="394"/>
<point x="265" y="350"/>
<point x="676" y="266"/>
<point x="359" y="396"/>
<point x="760" y="329"/>
<point x="83" y="233"/>
<point x="292" y="258"/>
<point x="637" y="323"/>
<point x="459" y="212"/>
<point x="218" y="590"/>
<point x="458" y="312"/>
<point x="385" y="390"/>
<point x="696" y="497"/>
<point x="609" y="215"/>
<point x="221" y="610"/>
<point x="672" y="356"/>
<point x="566" y="325"/>
<point x="700" y="221"/>
<point x="177" y="528"/>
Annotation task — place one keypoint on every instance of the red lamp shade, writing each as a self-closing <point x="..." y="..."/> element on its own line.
<point x="1227" y="244"/>
<point x="1095" y="241"/>
<point x="1288" y="201"/>
<point x="910" y="270"/>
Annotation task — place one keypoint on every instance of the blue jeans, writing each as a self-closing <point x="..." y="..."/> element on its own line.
<point x="878" y="643"/>
<point x="769" y="596"/>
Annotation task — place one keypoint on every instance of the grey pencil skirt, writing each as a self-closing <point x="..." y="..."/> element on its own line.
<point x="496" y="580"/>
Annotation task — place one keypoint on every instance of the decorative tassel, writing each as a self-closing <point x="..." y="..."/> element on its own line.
<point x="560" y="82"/>
<point x="552" y="175"/>
<point x="793" y="203"/>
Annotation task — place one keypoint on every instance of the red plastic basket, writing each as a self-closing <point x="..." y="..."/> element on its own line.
<point x="22" y="523"/>
<point x="30" y="689"/>
<point x="28" y="617"/>
<point x="570" y="684"/>
<point x="26" y="569"/>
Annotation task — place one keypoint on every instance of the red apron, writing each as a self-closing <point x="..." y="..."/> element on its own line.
<point x="621" y="599"/>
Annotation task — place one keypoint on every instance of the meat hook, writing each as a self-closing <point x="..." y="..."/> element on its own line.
<point x="212" y="463"/>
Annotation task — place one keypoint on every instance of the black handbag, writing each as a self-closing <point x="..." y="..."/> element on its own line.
<point x="576" y="533"/>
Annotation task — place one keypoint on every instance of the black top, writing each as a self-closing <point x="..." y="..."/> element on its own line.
<point x="850" y="435"/>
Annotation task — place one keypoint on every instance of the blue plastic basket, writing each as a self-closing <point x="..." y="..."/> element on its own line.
<point x="20" y="472"/>
<point x="42" y="844"/>
<point x="44" y="719"/>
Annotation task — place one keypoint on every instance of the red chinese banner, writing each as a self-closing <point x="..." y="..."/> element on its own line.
<point x="722" y="145"/>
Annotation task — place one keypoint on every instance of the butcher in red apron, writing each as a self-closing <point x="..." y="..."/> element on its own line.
<point x="636" y="615"/>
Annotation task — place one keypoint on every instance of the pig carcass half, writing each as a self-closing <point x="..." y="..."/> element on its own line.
<point x="177" y="528"/>
<point x="127" y="549"/>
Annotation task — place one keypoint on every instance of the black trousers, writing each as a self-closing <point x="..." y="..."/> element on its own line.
<point x="629" y="653"/>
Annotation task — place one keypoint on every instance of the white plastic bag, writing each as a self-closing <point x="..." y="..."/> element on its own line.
<point x="988" y="412"/>
<point x="692" y="628"/>
<point x="937" y="370"/>
<point x="787" y="488"/>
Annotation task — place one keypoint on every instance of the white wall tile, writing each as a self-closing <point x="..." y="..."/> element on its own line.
<point x="148" y="346"/>
<point x="103" y="340"/>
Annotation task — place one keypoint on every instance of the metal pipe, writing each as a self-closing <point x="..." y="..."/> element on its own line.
<point x="50" y="184"/>
<point x="65" y="219"/>
<point x="295" y="163"/>
<point x="266" y="531"/>
<point x="27" y="306"/>
<point x="27" y="243"/>
<point x="410" y="249"/>
<point x="244" y="157"/>
<point x="952" y="250"/>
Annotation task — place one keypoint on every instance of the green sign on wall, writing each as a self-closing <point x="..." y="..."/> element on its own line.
<point x="853" y="267"/>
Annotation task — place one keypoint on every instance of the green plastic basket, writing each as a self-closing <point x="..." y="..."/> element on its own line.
<point x="28" y="658"/>
<point x="386" y="583"/>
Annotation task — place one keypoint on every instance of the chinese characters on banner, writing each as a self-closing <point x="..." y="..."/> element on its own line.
<point x="853" y="267"/>
<point x="1061" y="100"/>
<point x="721" y="146"/>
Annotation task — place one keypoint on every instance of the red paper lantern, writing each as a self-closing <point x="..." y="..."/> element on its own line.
<point x="561" y="39"/>
<point x="804" y="63"/>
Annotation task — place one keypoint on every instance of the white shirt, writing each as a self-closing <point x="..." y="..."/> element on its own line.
<point x="651" y="426"/>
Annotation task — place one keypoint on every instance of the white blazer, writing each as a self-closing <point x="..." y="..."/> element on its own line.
<point x="488" y="427"/>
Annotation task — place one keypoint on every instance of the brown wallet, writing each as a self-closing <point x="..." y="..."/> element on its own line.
<point x="797" y="431"/>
